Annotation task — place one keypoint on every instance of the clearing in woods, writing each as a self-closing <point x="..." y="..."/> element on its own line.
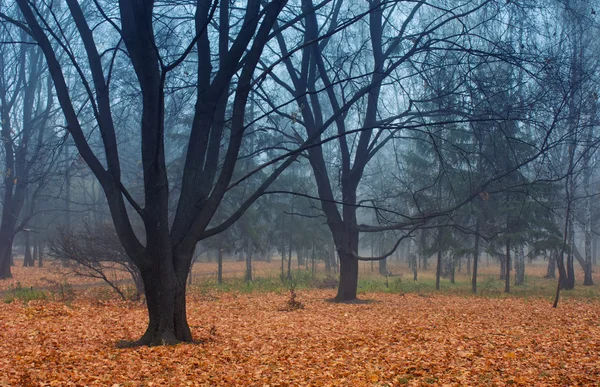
<point x="404" y="336"/>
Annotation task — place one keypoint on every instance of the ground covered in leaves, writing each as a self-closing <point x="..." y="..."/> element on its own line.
<point x="250" y="340"/>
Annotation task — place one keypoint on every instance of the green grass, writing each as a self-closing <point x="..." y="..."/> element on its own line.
<point x="301" y="279"/>
<point x="24" y="294"/>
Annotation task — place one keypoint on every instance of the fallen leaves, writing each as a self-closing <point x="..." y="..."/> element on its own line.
<point x="246" y="340"/>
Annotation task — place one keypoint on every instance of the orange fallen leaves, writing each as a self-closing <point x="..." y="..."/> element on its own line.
<point x="247" y="341"/>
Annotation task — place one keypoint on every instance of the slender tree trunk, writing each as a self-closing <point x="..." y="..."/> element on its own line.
<point x="507" y="276"/>
<point x="551" y="270"/>
<point x="300" y="258"/>
<point x="248" y="275"/>
<point x="220" y="267"/>
<point x="469" y="264"/>
<point x="438" y="269"/>
<point x="475" y="259"/>
<point x="40" y="254"/>
<point x="570" y="278"/>
<point x="520" y="266"/>
<point x="313" y="257"/>
<point x="282" y="259"/>
<point x="383" y="267"/>
<point x="587" y="272"/>
<point x="289" y="267"/>
<point x="412" y="258"/>
<point x="503" y="274"/>
<point x="35" y="249"/>
<point x="27" y="256"/>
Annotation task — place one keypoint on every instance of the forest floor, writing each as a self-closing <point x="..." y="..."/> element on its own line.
<point x="408" y="334"/>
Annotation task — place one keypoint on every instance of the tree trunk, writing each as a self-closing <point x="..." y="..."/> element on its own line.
<point x="551" y="270"/>
<point x="452" y="262"/>
<point x="300" y="258"/>
<point x="587" y="272"/>
<point x="502" y="260"/>
<point x="40" y="254"/>
<point x="36" y="250"/>
<point x="520" y="266"/>
<point x="570" y="269"/>
<point x="6" y="242"/>
<point x="248" y="275"/>
<point x="507" y="276"/>
<point x="594" y="250"/>
<point x="27" y="256"/>
<point x="348" y="278"/>
<point x="220" y="267"/>
<point x="438" y="269"/>
<point x="165" y="299"/>
<point x="475" y="259"/>
<point x="383" y="267"/>
<point x="289" y="267"/>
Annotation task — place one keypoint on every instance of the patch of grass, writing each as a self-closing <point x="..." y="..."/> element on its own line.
<point x="301" y="279"/>
<point x="24" y="294"/>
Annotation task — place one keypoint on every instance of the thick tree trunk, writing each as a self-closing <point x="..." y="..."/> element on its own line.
<point x="6" y="242"/>
<point x="166" y="302"/>
<point x="348" y="278"/>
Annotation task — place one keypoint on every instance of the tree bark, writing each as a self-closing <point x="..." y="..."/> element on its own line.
<point x="551" y="270"/>
<point x="165" y="299"/>
<point x="6" y="241"/>
<point x="569" y="282"/>
<point x="520" y="266"/>
<point x="27" y="256"/>
<point x="348" y="278"/>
